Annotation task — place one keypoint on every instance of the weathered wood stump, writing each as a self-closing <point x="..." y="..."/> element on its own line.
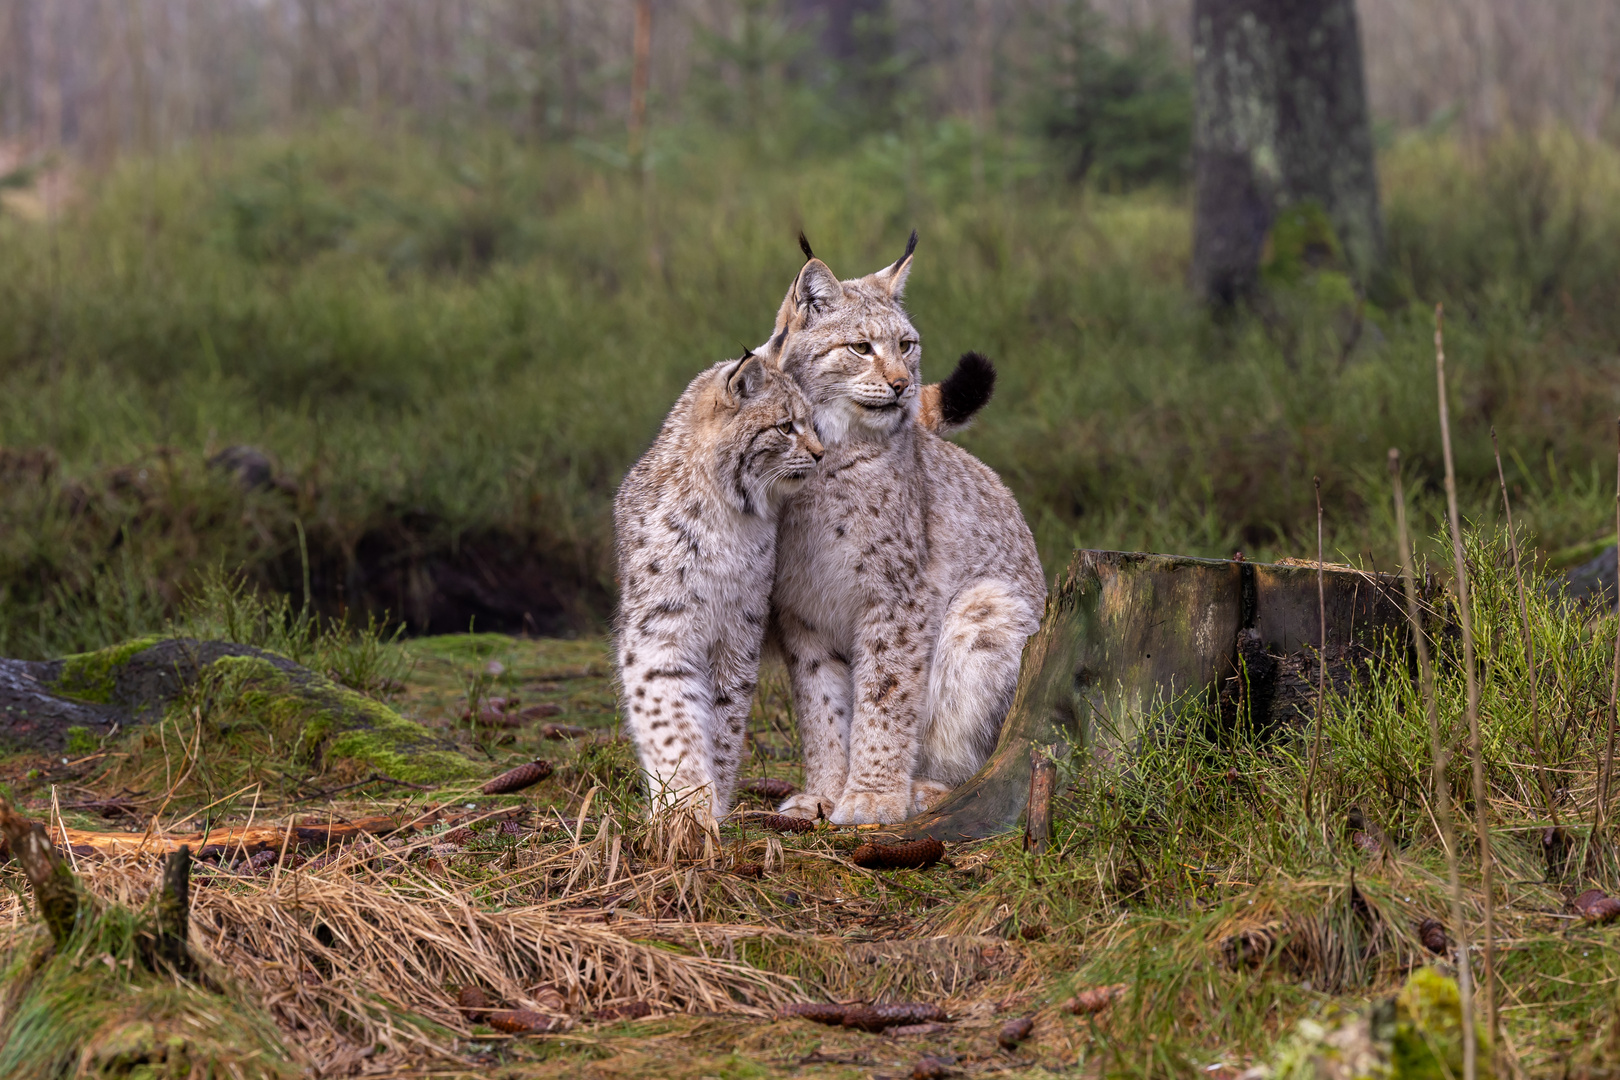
<point x="1129" y="635"/>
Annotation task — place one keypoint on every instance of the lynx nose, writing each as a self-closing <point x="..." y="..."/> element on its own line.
<point x="899" y="383"/>
<point x="817" y="453"/>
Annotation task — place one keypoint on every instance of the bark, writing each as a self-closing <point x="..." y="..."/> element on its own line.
<point x="1124" y="632"/>
<point x="1280" y="120"/>
<point x="1038" y="815"/>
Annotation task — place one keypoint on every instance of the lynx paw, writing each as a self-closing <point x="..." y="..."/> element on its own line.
<point x="869" y="807"/>
<point x="806" y="805"/>
<point x="927" y="794"/>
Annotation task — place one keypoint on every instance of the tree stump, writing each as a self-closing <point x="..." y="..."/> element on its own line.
<point x="1128" y="635"/>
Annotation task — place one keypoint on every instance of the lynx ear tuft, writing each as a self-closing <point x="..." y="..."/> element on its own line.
<point x="967" y="389"/>
<point x="894" y="276"/>
<point x="804" y="246"/>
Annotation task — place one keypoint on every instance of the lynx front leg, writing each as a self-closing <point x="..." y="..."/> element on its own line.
<point x="736" y="673"/>
<point x="669" y="707"/>
<point x="821" y="685"/>
<point x="885" y="734"/>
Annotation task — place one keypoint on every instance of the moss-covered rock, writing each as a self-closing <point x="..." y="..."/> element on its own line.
<point x="93" y="676"/>
<point x="46" y="707"/>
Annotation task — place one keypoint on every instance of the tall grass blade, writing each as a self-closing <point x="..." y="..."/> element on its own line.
<point x="1481" y="802"/>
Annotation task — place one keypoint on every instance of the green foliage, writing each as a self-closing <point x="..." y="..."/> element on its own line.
<point x="81" y="741"/>
<point x="93" y="1009"/>
<point x="1122" y="112"/>
<point x="476" y="337"/>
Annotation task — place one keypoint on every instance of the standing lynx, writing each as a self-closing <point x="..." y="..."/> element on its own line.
<point x="906" y="580"/>
<point x="695" y="528"/>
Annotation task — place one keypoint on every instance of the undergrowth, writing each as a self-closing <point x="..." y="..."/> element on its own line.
<point x="458" y="345"/>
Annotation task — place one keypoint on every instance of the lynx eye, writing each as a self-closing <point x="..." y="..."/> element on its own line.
<point x="862" y="348"/>
<point x="785" y="426"/>
<point x="908" y="344"/>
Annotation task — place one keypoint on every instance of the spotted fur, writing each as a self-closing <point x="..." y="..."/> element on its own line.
<point x="907" y="580"/>
<point x="695" y="527"/>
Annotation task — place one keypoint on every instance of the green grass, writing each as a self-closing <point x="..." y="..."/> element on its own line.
<point x="472" y="337"/>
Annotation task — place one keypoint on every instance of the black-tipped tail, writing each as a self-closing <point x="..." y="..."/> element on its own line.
<point x="804" y="246"/>
<point x="967" y="389"/>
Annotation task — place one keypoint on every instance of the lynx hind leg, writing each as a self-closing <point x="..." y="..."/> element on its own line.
<point x="822" y="709"/>
<point x="971" y="683"/>
<point x="927" y="794"/>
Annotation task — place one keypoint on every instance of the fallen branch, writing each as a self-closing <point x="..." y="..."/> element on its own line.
<point x="217" y="842"/>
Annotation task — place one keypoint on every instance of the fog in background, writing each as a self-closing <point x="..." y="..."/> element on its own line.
<point x="105" y="76"/>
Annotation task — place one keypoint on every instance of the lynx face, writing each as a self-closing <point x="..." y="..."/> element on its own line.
<point x="852" y="348"/>
<point x="767" y="444"/>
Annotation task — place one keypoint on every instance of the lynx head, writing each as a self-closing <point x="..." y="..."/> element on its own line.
<point x="852" y="349"/>
<point x="765" y="444"/>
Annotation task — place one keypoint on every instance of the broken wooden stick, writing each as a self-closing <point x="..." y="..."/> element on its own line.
<point x="56" y="891"/>
<point x="174" y="911"/>
<point x="1038" y="817"/>
<point x="232" y="842"/>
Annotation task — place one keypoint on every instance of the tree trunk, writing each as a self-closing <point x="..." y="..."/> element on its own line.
<point x="1280" y="120"/>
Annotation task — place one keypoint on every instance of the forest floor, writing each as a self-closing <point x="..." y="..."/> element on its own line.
<point x="646" y="956"/>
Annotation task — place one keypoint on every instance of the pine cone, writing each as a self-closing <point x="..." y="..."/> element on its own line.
<point x="473" y="1002"/>
<point x="822" y="1012"/>
<point x="878" y="1017"/>
<point x="786" y="823"/>
<point x="460" y="837"/>
<point x="630" y="1010"/>
<point x="1593" y="906"/>
<point x="767" y="787"/>
<point x="749" y="870"/>
<point x="914" y="854"/>
<point x="1095" y="1000"/>
<point x="1014" y="1032"/>
<point x="517" y="779"/>
<point x="1432" y="933"/>
<point x="521" y="1022"/>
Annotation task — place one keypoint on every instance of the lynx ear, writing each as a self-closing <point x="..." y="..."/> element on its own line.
<point x="744" y="380"/>
<point x="893" y="277"/>
<point x="816" y="287"/>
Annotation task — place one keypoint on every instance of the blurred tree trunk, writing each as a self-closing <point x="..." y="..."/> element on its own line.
<point x="1280" y="120"/>
<point x="640" y="74"/>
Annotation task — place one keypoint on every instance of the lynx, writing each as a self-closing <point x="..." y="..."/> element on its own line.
<point x="907" y="580"/>
<point x="695" y="528"/>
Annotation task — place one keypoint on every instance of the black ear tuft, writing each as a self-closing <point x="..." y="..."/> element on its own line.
<point x="968" y="388"/>
<point x="911" y="246"/>
<point x="804" y="246"/>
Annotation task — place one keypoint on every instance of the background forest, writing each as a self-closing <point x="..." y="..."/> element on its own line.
<point x="378" y="301"/>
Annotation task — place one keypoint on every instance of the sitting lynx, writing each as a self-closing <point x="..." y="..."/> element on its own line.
<point x="906" y="578"/>
<point x="695" y="528"/>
